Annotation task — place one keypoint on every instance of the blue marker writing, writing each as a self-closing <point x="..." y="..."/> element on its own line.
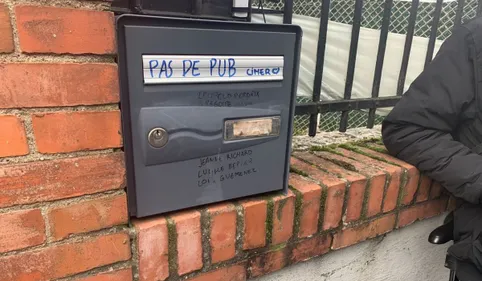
<point x="152" y="66"/>
<point x="232" y="69"/>
<point x="166" y="68"/>
<point x="212" y="64"/>
<point x="195" y="68"/>
<point x="276" y="70"/>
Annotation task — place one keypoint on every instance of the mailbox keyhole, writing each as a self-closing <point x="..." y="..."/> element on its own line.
<point x="157" y="137"/>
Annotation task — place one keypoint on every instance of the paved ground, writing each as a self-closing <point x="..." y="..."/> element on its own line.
<point x="403" y="255"/>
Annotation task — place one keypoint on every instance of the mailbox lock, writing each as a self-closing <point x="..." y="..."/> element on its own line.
<point x="157" y="137"/>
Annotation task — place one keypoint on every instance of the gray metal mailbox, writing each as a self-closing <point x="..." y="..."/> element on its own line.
<point x="207" y="109"/>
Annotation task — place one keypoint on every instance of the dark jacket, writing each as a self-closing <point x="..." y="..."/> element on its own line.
<point x="437" y="127"/>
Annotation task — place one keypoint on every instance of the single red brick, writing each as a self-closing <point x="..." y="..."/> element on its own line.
<point x="57" y="84"/>
<point x="424" y="189"/>
<point x="60" y="30"/>
<point x="74" y="131"/>
<point x="422" y="211"/>
<point x="310" y="248"/>
<point x="118" y="275"/>
<point x="13" y="141"/>
<point x="189" y="247"/>
<point x="152" y="246"/>
<point x="67" y="259"/>
<point x="255" y="214"/>
<point x="334" y="189"/>
<point x="267" y="263"/>
<point x="283" y="218"/>
<point x="310" y="204"/>
<point x="6" y="34"/>
<point x="412" y="174"/>
<point x="435" y="190"/>
<point x="223" y="232"/>
<point x="231" y="273"/>
<point x="87" y="216"/>
<point x="21" y="229"/>
<point x="376" y="227"/>
<point x="28" y="183"/>
<point x="356" y="191"/>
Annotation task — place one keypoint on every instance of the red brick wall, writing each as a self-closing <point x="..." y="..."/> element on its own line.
<point x="62" y="201"/>
<point x="338" y="197"/>
<point x="63" y="212"/>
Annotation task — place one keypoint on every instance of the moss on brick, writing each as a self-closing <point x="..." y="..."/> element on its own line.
<point x="298" y="172"/>
<point x="278" y="247"/>
<point x="364" y="211"/>
<point x="321" y="218"/>
<point x="269" y="221"/>
<point x="172" y="247"/>
<point x="239" y="228"/>
<point x="359" y="151"/>
<point x="281" y="205"/>
<point x="298" y="211"/>
<point x="345" y="165"/>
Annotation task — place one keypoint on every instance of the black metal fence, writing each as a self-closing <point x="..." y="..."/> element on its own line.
<point x="347" y="104"/>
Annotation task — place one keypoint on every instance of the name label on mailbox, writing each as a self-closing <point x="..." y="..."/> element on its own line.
<point x="161" y="69"/>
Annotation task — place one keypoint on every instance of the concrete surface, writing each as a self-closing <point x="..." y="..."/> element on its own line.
<point x="402" y="255"/>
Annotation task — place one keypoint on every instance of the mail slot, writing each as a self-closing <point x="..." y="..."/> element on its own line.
<point x="207" y="109"/>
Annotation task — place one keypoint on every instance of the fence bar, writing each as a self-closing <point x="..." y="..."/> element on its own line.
<point x="345" y="105"/>
<point x="320" y="59"/>
<point x="382" y="45"/>
<point x="355" y="33"/>
<point x="479" y="8"/>
<point x="433" y="32"/>
<point x="408" y="46"/>
<point x="288" y="12"/>
<point x="459" y="13"/>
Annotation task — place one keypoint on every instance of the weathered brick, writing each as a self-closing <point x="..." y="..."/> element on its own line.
<point x="412" y="174"/>
<point x="334" y="189"/>
<point x="310" y="248"/>
<point x="87" y="216"/>
<point x="394" y="175"/>
<point x="62" y="30"/>
<point x="358" y="183"/>
<point x="435" y="190"/>
<point x="231" y="273"/>
<point x="74" y="131"/>
<point x="6" y="34"/>
<point x="376" y="227"/>
<point x="375" y="174"/>
<point x="13" y="141"/>
<point x="310" y="205"/>
<point x="57" y="84"/>
<point x="189" y="247"/>
<point x="63" y="178"/>
<point x="118" y="275"/>
<point x="223" y="232"/>
<point x="255" y="213"/>
<point x="424" y="189"/>
<point x="283" y="218"/>
<point x="422" y="211"/>
<point x="152" y="245"/>
<point x="66" y="259"/>
<point x="21" y="229"/>
<point x="267" y="263"/>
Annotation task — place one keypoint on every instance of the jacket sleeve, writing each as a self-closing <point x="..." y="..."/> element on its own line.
<point x="419" y="129"/>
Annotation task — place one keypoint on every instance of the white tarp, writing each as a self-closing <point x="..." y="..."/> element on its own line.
<point x="336" y="59"/>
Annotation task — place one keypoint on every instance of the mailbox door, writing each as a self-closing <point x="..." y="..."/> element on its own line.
<point x="207" y="156"/>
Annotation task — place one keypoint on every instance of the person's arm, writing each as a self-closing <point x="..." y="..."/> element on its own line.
<point x="419" y="128"/>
